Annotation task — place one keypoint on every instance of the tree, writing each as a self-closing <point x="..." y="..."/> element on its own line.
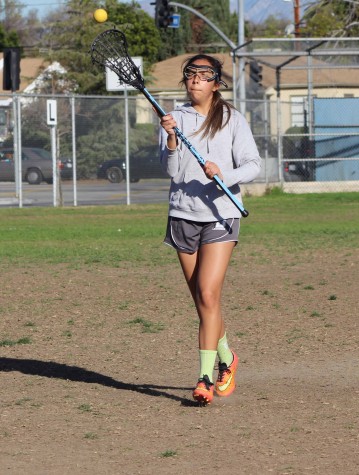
<point x="174" y="41"/>
<point x="202" y="34"/>
<point x="8" y="38"/>
<point x="195" y="35"/>
<point x="15" y="30"/>
<point x="31" y="33"/>
<point x="326" y="18"/>
<point x="272" y="27"/>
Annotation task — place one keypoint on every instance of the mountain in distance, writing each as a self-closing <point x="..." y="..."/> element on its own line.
<point x="257" y="11"/>
<point x="254" y="10"/>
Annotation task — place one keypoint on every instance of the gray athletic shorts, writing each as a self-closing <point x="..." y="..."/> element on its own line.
<point x="187" y="236"/>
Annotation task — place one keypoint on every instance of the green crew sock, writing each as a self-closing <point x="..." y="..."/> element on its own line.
<point x="224" y="353"/>
<point x="207" y="358"/>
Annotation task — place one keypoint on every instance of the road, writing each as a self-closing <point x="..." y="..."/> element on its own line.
<point x="89" y="192"/>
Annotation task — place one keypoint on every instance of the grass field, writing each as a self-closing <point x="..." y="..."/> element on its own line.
<point x="98" y="340"/>
<point x="110" y="235"/>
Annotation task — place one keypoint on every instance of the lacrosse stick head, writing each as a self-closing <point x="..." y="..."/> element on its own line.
<point x="109" y="49"/>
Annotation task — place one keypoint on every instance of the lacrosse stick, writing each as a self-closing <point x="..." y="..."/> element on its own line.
<point x="109" y="49"/>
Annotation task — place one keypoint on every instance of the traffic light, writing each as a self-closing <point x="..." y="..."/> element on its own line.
<point x="11" y="69"/>
<point x="255" y="73"/>
<point x="163" y="14"/>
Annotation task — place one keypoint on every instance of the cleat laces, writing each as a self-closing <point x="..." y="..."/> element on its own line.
<point x="206" y="381"/>
<point x="222" y="371"/>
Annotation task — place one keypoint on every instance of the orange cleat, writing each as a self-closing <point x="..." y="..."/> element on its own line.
<point x="225" y="384"/>
<point x="203" y="393"/>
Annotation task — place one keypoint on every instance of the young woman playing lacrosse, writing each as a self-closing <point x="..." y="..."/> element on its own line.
<point x="203" y="224"/>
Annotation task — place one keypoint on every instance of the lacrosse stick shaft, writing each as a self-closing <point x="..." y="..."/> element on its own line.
<point x="194" y="152"/>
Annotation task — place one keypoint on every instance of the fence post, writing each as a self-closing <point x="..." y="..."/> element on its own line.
<point x="17" y="147"/>
<point x="279" y="141"/>
<point x="19" y="151"/>
<point x="127" y="148"/>
<point x="266" y="140"/>
<point x="74" y="163"/>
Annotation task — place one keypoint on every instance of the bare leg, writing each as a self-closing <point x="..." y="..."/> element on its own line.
<point x="205" y="271"/>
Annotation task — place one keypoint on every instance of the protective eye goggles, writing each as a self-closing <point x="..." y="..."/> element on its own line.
<point x="204" y="73"/>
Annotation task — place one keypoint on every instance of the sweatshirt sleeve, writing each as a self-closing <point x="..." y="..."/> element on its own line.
<point x="169" y="159"/>
<point x="245" y="155"/>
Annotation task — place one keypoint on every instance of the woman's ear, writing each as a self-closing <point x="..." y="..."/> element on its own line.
<point x="216" y="86"/>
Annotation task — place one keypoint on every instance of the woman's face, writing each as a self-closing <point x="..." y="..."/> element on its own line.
<point x="200" y="91"/>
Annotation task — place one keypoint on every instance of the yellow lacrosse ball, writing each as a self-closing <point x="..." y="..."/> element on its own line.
<point x="100" y="15"/>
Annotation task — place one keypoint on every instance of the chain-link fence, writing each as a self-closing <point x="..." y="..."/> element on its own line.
<point x="115" y="138"/>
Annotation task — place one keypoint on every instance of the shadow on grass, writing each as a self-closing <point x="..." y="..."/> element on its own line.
<point x="50" y="369"/>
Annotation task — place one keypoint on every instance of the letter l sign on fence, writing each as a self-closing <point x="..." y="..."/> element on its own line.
<point x="51" y="112"/>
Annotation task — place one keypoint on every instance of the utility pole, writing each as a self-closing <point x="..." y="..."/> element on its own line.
<point x="296" y="18"/>
<point x="296" y="6"/>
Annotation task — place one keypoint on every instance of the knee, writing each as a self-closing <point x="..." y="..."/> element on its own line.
<point x="208" y="298"/>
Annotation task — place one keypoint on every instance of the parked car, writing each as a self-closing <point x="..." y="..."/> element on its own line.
<point x="66" y="169"/>
<point x="36" y="165"/>
<point x="145" y="164"/>
<point x="65" y="164"/>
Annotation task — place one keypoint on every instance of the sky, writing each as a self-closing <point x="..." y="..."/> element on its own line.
<point x="42" y="6"/>
<point x="254" y="9"/>
<point x="45" y="6"/>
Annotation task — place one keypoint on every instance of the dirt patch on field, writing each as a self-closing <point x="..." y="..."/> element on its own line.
<point x="97" y="367"/>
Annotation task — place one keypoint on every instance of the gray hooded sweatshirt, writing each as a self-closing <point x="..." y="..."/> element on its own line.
<point x="192" y="195"/>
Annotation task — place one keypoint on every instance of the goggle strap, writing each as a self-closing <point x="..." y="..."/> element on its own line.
<point x="223" y="83"/>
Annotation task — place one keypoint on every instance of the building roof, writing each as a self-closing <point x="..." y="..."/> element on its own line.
<point x="295" y="74"/>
